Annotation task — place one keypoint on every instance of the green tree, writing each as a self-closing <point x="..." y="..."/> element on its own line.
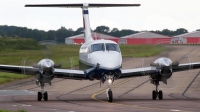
<point x="80" y="30"/>
<point x="102" y="29"/>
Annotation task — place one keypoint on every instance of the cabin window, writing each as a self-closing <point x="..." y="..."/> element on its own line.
<point x="97" y="47"/>
<point x="112" y="47"/>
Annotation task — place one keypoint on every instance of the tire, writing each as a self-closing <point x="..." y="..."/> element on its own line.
<point x="110" y="96"/>
<point x="39" y="96"/>
<point x="45" y="96"/>
<point x="160" y="95"/>
<point x="154" y="95"/>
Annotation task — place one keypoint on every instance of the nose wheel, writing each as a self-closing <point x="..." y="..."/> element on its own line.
<point x="109" y="95"/>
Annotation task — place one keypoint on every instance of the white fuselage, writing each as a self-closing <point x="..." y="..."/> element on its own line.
<point x="107" y="59"/>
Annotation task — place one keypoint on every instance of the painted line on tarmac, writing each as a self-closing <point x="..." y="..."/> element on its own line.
<point x="126" y="105"/>
<point x="174" y="110"/>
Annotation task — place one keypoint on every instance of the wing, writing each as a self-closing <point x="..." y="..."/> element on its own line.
<point x="19" y="69"/>
<point x="60" y="73"/>
<point x="152" y="70"/>
<point x="137" y="72"/>
<point x="186" y="66"/>
<point x="72" y="74"/>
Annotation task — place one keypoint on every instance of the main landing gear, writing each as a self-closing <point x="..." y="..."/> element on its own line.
<point x="156" y="93"/>
<point x="110" y="79"/>
<point x="42" y="94"/>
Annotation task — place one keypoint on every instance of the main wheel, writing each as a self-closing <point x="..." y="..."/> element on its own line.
<point x="160" y="95"/>
<point x="45" y="96"/>
<point x="39" y="96"/>
<point x="153" y="94"/>
<point x="110" y="96"/>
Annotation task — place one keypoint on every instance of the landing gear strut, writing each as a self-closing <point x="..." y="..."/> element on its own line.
<point x="156" y="93"/>
<point x="42" y="94"/>
<point x="110" y="79"/>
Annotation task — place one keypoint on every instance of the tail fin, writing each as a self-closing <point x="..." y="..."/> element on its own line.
<point x="84" y="6"/>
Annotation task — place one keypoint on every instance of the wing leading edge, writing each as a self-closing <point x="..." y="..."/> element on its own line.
<point x="137" y="72"/>
<point x="28" y="70"/>
<point x="19" y="69"/>
<point x="152" y="70"/>
<point x="72" y="74"/>
<point x="186" y="66"/>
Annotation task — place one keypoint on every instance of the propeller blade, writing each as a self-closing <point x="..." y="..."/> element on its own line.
<point x="154" y="64"/>
<point x="35" y="65"/>
<point x="175" y="63"/>
<point x="58" y="65"/>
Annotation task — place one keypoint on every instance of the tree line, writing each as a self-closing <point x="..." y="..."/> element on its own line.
<point x="60" y="34"/>
<point x="13" y="44"/>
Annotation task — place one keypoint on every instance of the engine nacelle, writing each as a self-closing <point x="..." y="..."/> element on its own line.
<point x="164" y="69"/>
<point x="165" y="73"/>
<point x="46" y="73"/>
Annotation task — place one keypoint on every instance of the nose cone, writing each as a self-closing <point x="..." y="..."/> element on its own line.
<point x="164" y="62"/>
<point x="48" y="64"/>
<point x="107" y="60"/>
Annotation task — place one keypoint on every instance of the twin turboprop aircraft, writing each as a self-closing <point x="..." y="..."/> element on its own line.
<point x="99" y="60"/>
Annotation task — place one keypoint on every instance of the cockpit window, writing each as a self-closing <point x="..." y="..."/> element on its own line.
<point x="112" y="47"/>
<point x="97" y="47"/>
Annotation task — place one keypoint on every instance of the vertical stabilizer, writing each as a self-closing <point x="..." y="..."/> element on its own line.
<point x="84" y="6"/>
<point x="86" y="23"/>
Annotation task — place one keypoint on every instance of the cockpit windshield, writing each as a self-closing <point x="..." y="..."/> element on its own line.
<point x="97" y="47"/>
<point x="112" y="47"/>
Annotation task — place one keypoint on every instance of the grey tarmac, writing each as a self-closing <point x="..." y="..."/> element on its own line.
<point x="182" y="93"/>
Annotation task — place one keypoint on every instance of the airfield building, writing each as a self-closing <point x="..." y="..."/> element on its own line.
<point x="187" y="38"/>
<point x="79" y="39"/>
<point x="145" y="38"/>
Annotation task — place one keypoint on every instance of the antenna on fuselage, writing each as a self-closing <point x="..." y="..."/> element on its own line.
<point x="84" y="6"/>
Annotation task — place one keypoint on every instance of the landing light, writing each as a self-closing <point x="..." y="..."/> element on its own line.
<point x="109" y="81"/>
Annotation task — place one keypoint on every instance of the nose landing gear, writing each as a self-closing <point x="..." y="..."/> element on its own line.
<point x="110" y="79"/>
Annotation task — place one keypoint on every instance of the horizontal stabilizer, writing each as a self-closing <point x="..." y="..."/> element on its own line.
<point x="81" y="5"/>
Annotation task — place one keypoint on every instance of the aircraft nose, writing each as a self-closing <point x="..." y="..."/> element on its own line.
<point x="108" y="61"/>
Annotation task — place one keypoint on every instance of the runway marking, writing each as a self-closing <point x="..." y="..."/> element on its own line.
<point x="174" y="110"/>
<point x="23" y="105"/>
<point x="126" y="105"/>
<point x="26" y="105"/>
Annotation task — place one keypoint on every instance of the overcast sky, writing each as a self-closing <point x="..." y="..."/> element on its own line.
<point x="151" y="15"/>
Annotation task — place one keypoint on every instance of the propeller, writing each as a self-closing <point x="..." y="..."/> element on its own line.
<point x="177" y="55"/>
<point x="149" y="61"/>
<point x="33" y="60"/>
